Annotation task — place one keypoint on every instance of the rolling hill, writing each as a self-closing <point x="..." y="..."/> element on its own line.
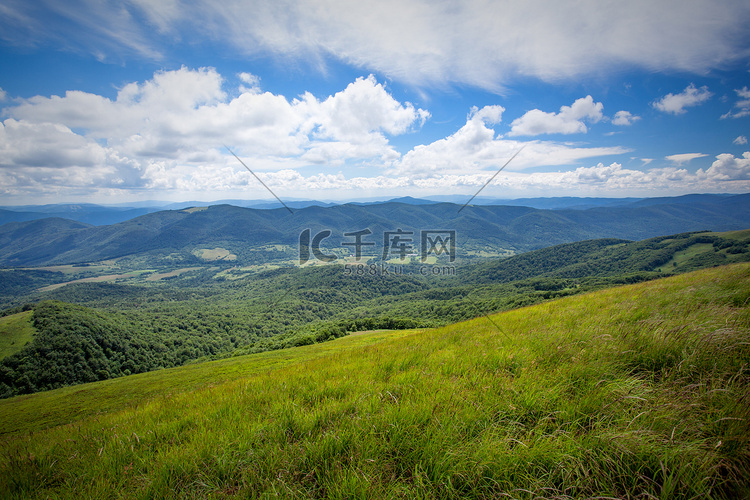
<point x="239" y="230"/>
<point x="632" y="392"/>
<point x="91" y="331"/>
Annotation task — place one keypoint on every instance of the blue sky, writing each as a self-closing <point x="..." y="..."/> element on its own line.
<point x="111" y="102"/>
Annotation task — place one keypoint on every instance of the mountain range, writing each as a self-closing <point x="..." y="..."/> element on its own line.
<point x="56" y="240"/>
<point x="98" y="215"/>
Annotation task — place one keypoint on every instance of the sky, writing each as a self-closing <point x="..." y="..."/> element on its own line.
<point x="115" y="102"/>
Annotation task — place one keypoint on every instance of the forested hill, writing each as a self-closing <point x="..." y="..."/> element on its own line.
<point x="94" y="331"/>
<point x="511" y="228"/>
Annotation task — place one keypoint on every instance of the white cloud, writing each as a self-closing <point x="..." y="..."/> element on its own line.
<point x="165" y="135"/>
<point x="741" y="139"/>
<point x="728" y="168"/>
<point x="491" y="115"/>
<point x="624" y="118"/>
<point x="363" y="108"/>
<point x="743" y="105"/>
<point x="49" y="158"/>
<point x="105" y="30"/>
<point x="474" y="148"/>
<point x="568" y="121"/>
<point x="168" y="132"/>
<point x="179" y="114"/>
<point x="46" y="145"/>
<point x="422" y="43"/>
<point x="676" y="103"/>
<point x="682" y="158"/>
<point x="252" y="81"/>
<point x="3" y="95"/>
<point x="161" y="104"/>
<point x="727" y="174"/>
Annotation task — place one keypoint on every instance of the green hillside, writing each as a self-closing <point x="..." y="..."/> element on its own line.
<point x="95" y="331"/>
<point x="639" y="391"/>
<point x="16" y="331"/>
<point x="611" y="257"/>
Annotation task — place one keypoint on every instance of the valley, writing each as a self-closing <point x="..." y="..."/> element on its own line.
<point x="562" y="354"/>
<point x="453" y="250"/>
<point x="106" y="326"/>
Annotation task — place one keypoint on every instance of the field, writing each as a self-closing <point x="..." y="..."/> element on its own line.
<point x="97" y="279"/>
<point x="636" y="391"/>
<point x="217" y="253"/>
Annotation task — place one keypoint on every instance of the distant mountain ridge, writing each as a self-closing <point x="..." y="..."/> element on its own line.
<point x="99" y="215"/>
<point x="62" y="241"/>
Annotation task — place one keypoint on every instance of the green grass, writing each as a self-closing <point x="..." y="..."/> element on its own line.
<point x="635" y="392"/>
<point x="15" y="331"/>
<point x="96" y="279"/>
<point x="39" y="411"/>
<point x="692" y="251"/>
<point x="741" y="235"/>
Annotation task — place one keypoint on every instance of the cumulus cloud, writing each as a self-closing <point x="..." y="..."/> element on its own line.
<point x="683" y="158"/>
<point x="624" y="118"/>
<point x="168" y="132"/>
<point x="423" y="43"/>
<point x="568" y="121"/>
<point x="165" y="135"/>
<point x="3" y="95"/>
<point x="179" y="114"/>
<point x="728" y="168"/>
<point x="741" y="139"/>
<point x="50" y="158"/>
<point x="362" y="108"/>
<point x="676" y="103"/>
<point x="46" y="145"/>
<point x="742" y="106"/>
<point x="475" y="148"/>
<point x="161" y="104"/>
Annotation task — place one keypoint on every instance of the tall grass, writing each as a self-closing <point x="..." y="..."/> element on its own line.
<point x="634" y="392"/>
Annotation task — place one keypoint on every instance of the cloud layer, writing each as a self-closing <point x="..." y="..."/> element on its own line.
<point x="472" y="42"/>
<point x="167" y="134"/>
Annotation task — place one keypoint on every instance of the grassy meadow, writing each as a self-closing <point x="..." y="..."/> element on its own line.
<point x="640" y="391"/>
<point x="15" y="331"/>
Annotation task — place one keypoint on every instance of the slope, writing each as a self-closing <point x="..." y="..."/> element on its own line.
<point x="16" y="331"/>
<point x="609" y="257"/>
<point x="637" y="391"/>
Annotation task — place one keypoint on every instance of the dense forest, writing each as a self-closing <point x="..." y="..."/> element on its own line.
<point x="95" y="331"/>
